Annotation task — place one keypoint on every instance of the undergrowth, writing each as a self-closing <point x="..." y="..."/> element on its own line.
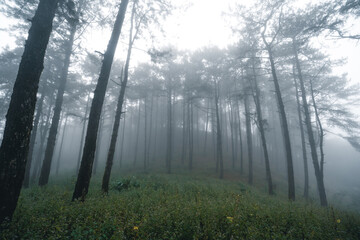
<point x="172" y="207"/>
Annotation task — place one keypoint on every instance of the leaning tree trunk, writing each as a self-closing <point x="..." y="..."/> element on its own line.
<point x="20" y="115"/>
<point x="260" y="123"/>
<point x="33" y="140"/>
<point x="49" y="151"/>
<point x="318" y="174"/>
<point x="284" y="125"/>
<point x="83" y="133"/>
<point x="83" y="180"/>
<point x="303" y="144"/>
<point x="321" y="130"/>
<point x="119" y="107"/>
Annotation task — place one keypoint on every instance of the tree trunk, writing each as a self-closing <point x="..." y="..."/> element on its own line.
<point x="150" y="130"/>
<point x="318" y="174"/>
<point x="99" y="143"/>
<point x="33" y="140"/>
<point x="137" y="136"/>
<point x="303" y="144"/>
<point x="218" y="134"/>
<point x="46" y="166"/>
<point x="83" y="133"/>
<point x="240" y="140"/>
<point x="231" y="121"/>
<point x="260" y="124"/>
<point x="169" y="128"/>
<point x="61" y="146"/>
<point x="284" y="126"/>
<point x="249" y="138"/>
<point x="191" y="132"/>
<point x="122" y="138"/>
<point x="184" y="136"/>
<point x="83" y="180"/>
<point x="206" y="128"/>
<point x="111" y="152"/>
<point x="43" y="134"/>
<point x="19" y="118"/>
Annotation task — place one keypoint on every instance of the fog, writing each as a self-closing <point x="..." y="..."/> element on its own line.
<point x="265" y="93"/>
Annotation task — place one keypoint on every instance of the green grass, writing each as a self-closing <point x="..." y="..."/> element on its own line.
<point x="158" y="206"/>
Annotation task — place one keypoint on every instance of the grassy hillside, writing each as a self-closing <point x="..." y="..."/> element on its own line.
<point x="145" y="206"/>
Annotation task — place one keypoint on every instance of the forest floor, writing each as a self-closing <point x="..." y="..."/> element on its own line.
<point x="176" y="206"/>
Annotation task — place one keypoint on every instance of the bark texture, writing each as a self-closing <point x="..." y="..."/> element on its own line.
<point x="84" y="176"/>
<point x="20" y="115"/>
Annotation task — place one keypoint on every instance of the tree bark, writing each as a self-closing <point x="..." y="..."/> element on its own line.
<point x="303" y="143"/>
<point x="191" y="131"/>
<point x="83" y="180"/>
<point x="284" y="124"/>
<point x="248" y="138"/>
<point x="260" y="124"/>
<point x="83" y="133"/>
<point x="49" y="152"/>
<point x="19" y="119"/>
<point x="218" y="133"/>
<point x="137" y="136"/>
<point x="61" y="146"/>
<point x="26" y="182"/>
<point x="122" y="138"/>
<point x="318" y="173"/>
<point x="169" y="128"/>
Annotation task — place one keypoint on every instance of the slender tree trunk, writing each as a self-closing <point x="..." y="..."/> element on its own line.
<point x="157" y="122"/>
<point x="284" y="125"/>
<point x="231" y="121"/>
<point x="150" y="130"/>
<point x="249" y="137"/>
<point x="145" y="133"/>
<point x="184" y="136"/>
<point x="321" y="130"/>
<point x="33" y="140"/>
<point x="317" y="167"/>
<point x="83" y="133"/>
<point x="260" y="123"/>
<point x="49" y="152"/>
<point x="169" y="128"/>
<point x="218" y="133"/>
<point x="43" y="133"/>
<point x="137" y="136"/>
<point x="111" y="152"/>
<point x="124" y="79"/>
<point x="99" y="144"/>
<point x="61" y="146"/>
<point x="19" y="118"/>
<point x="240" y="140"/>
<point x="122" y="138"/>
<point x="83" y="180"/>
<point x="191" y="132"/>
<point x="206" y="128"/>
<point x="303" y="144"/>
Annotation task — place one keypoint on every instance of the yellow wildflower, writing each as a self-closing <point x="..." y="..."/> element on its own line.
<point x="230" y="219"/>
<point x="136" y="228"/>
<point x="338" y="221"/>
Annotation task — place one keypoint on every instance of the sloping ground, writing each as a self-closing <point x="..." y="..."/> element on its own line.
<point x="173" y="207"/>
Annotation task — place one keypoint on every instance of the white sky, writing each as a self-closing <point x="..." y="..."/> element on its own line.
<point x="202" y="24"/>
